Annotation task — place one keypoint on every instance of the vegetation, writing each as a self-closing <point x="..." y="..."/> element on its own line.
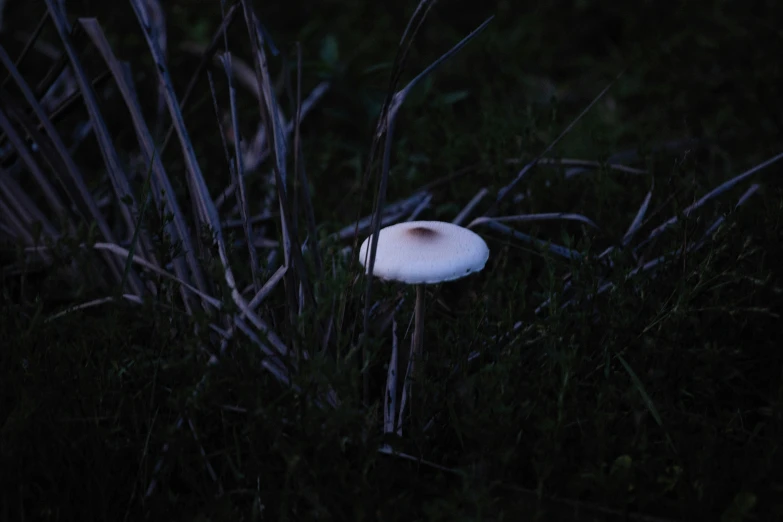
<point x="186" y="331"/>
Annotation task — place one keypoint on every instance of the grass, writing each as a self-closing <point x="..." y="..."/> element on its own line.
<point x="172" y="349"/>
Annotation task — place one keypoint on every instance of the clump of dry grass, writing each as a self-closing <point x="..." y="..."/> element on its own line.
<point x="263" y="335"/>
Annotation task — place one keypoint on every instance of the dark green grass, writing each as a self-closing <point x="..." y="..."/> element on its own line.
<point x="659" y="399"/>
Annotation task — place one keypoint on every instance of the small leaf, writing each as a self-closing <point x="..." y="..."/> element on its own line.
<point x="451" y="98"/>
<point x="646" y="398"/>
<point x="621" y="465"/>
<point x="329" y="51"/>
<point x="740" y="507"/>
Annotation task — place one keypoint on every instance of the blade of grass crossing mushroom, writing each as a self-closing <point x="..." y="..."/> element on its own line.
<point x="386" y="123"/>
<point x="395" y="99"/>
<point x="403" y="48"/>
<point x="372" y="251"/>
<point x="400" y="96"/>
<point x="163" y="191"/>
<point x="414" y="23"/>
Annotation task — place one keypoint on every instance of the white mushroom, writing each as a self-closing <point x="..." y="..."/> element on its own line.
<point x="422" y="252"/>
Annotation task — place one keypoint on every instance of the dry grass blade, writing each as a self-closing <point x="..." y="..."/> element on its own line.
<point x="267" y="288"/>
<point x="719" y="221"/>
<point x="16" y="228"/>
<point x="163" y="191"/>
<point x="205" y="205"/>
<point x="236" y="167"/>
<point x="93" y="303"/>
<point x="204" y="457"/>
<point x="28" y="160"/>
<point x="125" y="254"/>
<point x="386" y="124"/>
<point x="111" y="160"/>
<point x="648" y="402"/>
<point x="390" y="397"/>
<point x="407" y="385"/>
<point x="391" y="213"/>
<point x="257" y="151"/>
<point x="554" y="248"/>
<point x="548" y="216"/>
<point x="237" y="68"/>
<point x="299" y="169"/>
<point x="32" y="39"/>
<point x="720" y="189"/>
<point x="58" y="72"/>
<point x="604" y="286"/>
<point x="16" y="196"/>
<point x="637" y="221"/>
<point x="158" y="24"/>
<point x="206" y="211"/>
<point x="632" y="155"/>
<point x="399" y="97"/>
<point x="420" y="208"/>
<point x="585" y="165"/>
<point x="503" y="192"/>
<point x="60" y="160"/>
<point x="270" y="117"/>
<point x="228" y="19"/>
<point x="465" y="212"/>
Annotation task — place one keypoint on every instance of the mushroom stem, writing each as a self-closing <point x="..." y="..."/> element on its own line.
<point x="418" y="325"/>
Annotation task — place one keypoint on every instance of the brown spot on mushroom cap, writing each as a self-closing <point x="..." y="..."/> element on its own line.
<point x="422" y="232"/>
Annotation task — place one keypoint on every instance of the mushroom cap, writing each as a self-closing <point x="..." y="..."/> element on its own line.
<point x="425" y="252"/>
